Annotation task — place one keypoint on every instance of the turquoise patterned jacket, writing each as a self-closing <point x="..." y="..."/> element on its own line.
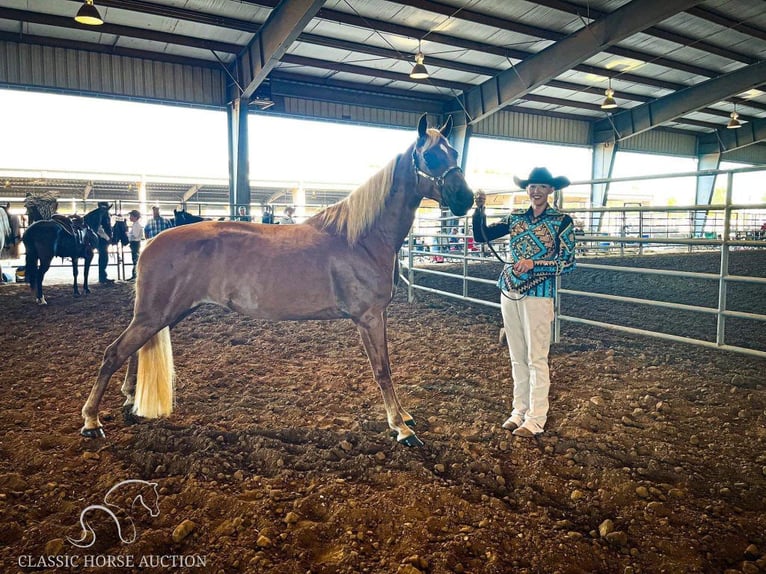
<point x="548" y="240"/>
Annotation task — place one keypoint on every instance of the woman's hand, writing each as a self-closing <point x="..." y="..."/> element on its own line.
<point x="523" y="266"/>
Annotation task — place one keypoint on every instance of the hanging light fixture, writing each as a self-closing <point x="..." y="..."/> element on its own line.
<point x="734" y="122"/>
<point x="88" y="14"/>
<point x="609" y="102"/>
<point x="419" y="71"/>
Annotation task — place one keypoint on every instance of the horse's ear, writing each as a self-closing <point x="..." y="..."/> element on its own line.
<point x="422" y="126"/>
<point x="446" y="129"/>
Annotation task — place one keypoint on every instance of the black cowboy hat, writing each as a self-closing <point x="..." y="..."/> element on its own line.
<point x="104" y="204"/>
<point x="543" y="176"/>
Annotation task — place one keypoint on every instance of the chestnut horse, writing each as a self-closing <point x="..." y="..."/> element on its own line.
<point x="340" y="264"/>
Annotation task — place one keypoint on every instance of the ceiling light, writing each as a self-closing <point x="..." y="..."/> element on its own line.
<point x="419" y="71"/>
<point x="88" y="14"/>
<point x="734" y="122"/>
<point x="609" y="102"/>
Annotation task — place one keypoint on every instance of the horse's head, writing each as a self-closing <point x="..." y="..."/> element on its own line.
<point x="120" y="232"/>
<point x="438" y="174"/>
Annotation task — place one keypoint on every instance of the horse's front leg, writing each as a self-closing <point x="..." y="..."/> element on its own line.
<point x="372" y="328"/>
<point x="88" y="259"/>
<point x="75" y="272"/>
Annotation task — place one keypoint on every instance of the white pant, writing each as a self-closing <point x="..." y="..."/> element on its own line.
<point x="527" y="324"/>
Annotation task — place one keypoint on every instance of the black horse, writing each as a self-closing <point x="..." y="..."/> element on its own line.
<point x="120" y="232"/>
<point x="74" y="237"/>
<point x="183" y="217"/>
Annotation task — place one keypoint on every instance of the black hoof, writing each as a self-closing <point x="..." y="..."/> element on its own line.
<point x="410" y="423"/>
<point x="411" y="441"/>
<point x="127" y="415"/>
<point x="75" y="294"/>
<point x="97" y="432"/>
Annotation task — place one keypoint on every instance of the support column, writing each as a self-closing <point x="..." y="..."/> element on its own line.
<point x="705" y="187"/>
<point x="461" y="136"/>
<point x="141" y="192"/>
<point x="299" y="202"/>
<point x="603" y="165"/>
<point x="239" y="164"/>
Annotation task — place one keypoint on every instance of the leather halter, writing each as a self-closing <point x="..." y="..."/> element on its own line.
<point x="437" y="180"/>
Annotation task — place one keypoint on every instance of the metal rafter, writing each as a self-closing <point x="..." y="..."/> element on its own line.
<point x="264" y="51"/>
<point x="631" y="122"/>
<point x="535" y="71"/>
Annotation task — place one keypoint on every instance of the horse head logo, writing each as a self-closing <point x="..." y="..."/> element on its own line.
<point x="147" y="497"/>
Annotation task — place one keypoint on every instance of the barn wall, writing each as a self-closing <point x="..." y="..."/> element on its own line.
<point x="533" y="127"/>
<point x="663" y="142"/>
<point x="315" y="109"/>
<point x="70" y="71"/>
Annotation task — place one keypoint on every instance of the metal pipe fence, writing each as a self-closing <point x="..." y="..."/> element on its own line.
<point x="435" y="254"/>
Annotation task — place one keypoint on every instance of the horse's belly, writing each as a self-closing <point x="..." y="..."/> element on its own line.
<point x="307" y="293"/>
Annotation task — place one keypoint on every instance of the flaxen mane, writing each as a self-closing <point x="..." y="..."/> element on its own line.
<point x="355" y="214"/>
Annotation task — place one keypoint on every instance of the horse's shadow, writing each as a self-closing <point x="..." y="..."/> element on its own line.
<point x="110" y="509"/>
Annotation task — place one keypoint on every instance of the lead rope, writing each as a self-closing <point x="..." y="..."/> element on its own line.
<point x="500" y="259"/>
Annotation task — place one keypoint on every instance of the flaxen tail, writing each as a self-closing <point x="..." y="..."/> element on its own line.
<point x="155" y="383"/>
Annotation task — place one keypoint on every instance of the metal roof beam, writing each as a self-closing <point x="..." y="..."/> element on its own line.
<point x="535" y="71"/>
<point x="592" y="13"/>
<point x="724" y="140"/>
<point x="117" y="30"/>
<point x="189" y="193"/>
<point x="282" y="27"/>
<point x="628" y="123"/>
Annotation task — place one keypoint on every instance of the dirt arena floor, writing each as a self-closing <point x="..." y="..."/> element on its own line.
<point x="278" y="457"/>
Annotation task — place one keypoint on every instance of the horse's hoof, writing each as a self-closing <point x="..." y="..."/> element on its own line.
<point x="86" y="291"/>
<point x="41" y="301"/>
<point x="411" y="441"/>
<point x="410" y="423"/>
<point x="127" y="415"/>
<point x="76" y="295"/>
<point x="97" y="432"/>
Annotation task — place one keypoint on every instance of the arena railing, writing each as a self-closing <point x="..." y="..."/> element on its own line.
<point x="729" y="228"/>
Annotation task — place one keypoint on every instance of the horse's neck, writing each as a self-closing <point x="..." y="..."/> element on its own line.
<point x="396" y="219"/>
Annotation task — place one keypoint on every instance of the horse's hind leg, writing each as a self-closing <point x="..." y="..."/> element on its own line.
<point x="372" y="328"/>
<point x="126" y="345"/>
<point x="129" y="390"/>
<point x="39" y="277"/>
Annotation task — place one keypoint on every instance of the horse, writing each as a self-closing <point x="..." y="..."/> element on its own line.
<point x="183" y="217"/>
<point x="6" y="235"/>
<point x="74" y="237"/>
<point x="120" y="232"/>
<point x="339" y="264"/>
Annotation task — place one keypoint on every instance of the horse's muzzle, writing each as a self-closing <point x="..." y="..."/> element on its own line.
<point x="456" y="194"/>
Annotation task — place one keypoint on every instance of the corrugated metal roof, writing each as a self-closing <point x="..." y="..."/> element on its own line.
<point x="368" y="46"/>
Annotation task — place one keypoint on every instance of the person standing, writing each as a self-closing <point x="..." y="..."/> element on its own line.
<point x="242" y="214"/>
<point x="287" y="217"/>
<point x="157" y="223"/>
<point x="104" y="239"/>
<point x="541" y="245"/>
<point x="135" y="235"/>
